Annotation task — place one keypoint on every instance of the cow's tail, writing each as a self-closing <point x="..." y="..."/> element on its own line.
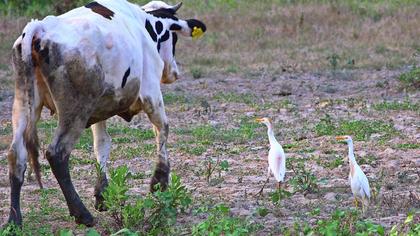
<point x="29" y="32"/>
<point x="25" y="69"/>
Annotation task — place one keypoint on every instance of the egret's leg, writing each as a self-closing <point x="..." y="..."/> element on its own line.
<point x="265" y="183"/>
<point x="355" y="202"/>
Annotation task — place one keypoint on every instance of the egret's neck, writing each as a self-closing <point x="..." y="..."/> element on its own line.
<point x="270" y="133"/>
<point x="351" y="152"/>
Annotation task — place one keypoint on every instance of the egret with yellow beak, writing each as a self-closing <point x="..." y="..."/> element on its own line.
<point x="358" y="181"/>
<point x="276" y="156"/>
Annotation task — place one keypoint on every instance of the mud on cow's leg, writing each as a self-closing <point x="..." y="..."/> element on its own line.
<point x="58" y="154"/>
<point x="102" y="148"/>
<point x="156" y="113"/>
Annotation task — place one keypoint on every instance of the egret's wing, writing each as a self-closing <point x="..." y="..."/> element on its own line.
<point x="364" y="182"/>
<point x="275" y="162"/>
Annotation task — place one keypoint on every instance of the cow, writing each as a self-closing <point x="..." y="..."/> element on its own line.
<point x="106" y="58"/>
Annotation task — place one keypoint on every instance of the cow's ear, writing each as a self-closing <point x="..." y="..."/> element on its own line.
<point x="197" y="28"/>
<point x="192" y="28"/>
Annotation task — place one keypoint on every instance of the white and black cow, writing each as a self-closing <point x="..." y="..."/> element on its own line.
<point x="104" y="59"/>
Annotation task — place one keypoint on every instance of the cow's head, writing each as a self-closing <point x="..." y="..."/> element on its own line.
<point x="164" y="29"/>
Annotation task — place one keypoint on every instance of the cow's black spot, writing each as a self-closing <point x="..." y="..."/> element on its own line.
<point x="101" y="10"/>
<point x="23" y="35"/>
<point x="158" y="27"/>
<point x="151" y="31"/>
<point x="174" y="40"/>
<point x="164" y="13"/>
<point x="124" y="80"/>
<point x="175" y="27"/>
<point x="164" y="37"/>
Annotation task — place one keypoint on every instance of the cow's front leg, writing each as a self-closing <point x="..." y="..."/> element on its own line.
<point x="102" y="148"/>
<point x="58" y="154"/>
<point x="156" y="113"/>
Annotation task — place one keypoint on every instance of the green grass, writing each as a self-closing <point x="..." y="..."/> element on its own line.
<point x="196" y="140"/>
<point x="139" y="150"/>
<point x="170" y="98"/>
<point x="231" y="97"/>
<point x="406" y="146"/>
<point x="35" y="218"/>
<point x="137" y="133"/>
<point x="360" y="130"/>
<point x="411" y="78"/>
<point x="6" y="130"/>
<point x="397" y="106"/>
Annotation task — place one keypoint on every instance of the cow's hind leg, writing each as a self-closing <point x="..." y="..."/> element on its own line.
<point x="102" y="148"/>
<point x="58" y="153"/>
<point x="17" y="158"/>
<point x="156" y="113"/>
<point x="24" y="141"/>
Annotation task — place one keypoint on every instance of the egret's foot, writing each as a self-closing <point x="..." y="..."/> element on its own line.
<point x="356" y="204"/>
<point x="260" y="193"/>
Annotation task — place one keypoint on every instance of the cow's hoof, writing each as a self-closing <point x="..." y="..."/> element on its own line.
<point x="100" y="204"/>
<point x="14" y="220"/>
<point x="157" y="184"/>
<point x="86" y="219"/>
<point x="11" y="229"/>
<point x="160" y="177"/>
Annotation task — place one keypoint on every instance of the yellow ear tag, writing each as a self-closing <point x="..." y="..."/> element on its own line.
<point x="197" y="32"/>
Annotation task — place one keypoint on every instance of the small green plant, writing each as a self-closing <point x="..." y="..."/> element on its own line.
<point x="154" y="214"/>
<point x="333" y="60"/>
<point x="219" y="222"/>
<point x="278" y="195"/>
<point x="410" y="227"/>
<point x="303" y="180"/>
<point x="262" y="211"/>
<point x="212" y="165"/>
<point x="11" y="230"/>
<point x="340" y="223"/>
<point x="411" y="78"/>
<point x="336" y="162"/>
<point x="197" y="72"/>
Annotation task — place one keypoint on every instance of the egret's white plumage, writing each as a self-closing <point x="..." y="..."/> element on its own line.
<point x="276" y="156"/>
<point x="358" y="181"/>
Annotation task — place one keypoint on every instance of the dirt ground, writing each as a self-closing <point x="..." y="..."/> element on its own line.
<point x="297" y="100"/>
<point x="345" y="95"/>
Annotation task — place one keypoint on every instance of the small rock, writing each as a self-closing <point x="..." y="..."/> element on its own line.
<point x="388" y="151"/>
<point x="330" y="196"/>
<point x="392" y="164"/>
<point x="416" y="162"/>
<point x="361" y="153"/>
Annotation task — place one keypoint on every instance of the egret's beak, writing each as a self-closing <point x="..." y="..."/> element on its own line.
<point x="259" y="120"/>
<point x="340" y="138"/>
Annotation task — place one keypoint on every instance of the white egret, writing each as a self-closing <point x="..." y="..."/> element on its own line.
<point x="358" y="181"/>
<point x="276" y="156"/>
